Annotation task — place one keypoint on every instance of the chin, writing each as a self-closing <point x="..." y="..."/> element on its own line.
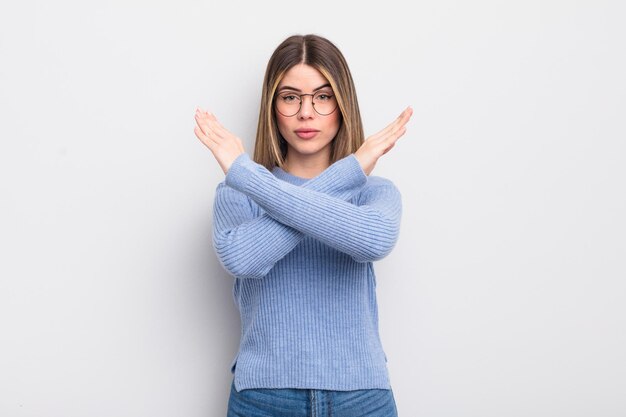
<point x="308" y="148"/>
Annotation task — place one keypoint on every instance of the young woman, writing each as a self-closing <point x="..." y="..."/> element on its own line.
<point x="299" y="227"/>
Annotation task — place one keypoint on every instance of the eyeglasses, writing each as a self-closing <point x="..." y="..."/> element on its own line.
<point x="289" y="104"/>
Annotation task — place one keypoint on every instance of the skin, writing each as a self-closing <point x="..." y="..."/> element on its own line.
<point x="305" y="158"/>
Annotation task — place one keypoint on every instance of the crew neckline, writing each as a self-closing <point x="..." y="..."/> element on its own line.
<point x="286" y="176"/>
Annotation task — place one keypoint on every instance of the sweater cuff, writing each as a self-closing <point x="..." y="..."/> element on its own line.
<point x="353" y="168"/>
<point x="238" y="173"/>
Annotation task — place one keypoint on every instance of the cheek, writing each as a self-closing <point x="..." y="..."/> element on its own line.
<point x="282" y="124"/>
<point x="334" y="124"/>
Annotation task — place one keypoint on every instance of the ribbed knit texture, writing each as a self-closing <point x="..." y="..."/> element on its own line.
<point x="301" y="252"/>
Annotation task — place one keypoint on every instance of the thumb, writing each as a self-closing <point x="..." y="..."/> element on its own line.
<point x="389" y="148"/>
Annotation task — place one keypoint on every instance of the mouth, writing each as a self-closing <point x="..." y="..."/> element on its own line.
<point x="306" y="133"/>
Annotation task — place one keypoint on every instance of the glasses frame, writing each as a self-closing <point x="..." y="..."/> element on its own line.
<point x="302" y="100"/>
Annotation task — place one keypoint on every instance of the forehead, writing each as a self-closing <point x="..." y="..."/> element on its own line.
<point x="303" y="77"/>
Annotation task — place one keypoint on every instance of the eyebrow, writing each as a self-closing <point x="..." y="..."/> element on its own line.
<point x="286" y="87"/>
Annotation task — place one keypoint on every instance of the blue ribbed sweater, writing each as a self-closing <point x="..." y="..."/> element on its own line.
<point x="301" y="252"/>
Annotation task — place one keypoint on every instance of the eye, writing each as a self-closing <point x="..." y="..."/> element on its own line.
<point x="323" y="96"/>
<point x="289" y="98"/>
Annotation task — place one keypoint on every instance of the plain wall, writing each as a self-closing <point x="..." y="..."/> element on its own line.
<point x="504" y="295"/>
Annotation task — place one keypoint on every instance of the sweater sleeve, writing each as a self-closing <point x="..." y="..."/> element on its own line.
<point x="367" y="230"/>
<point x="248" y="245"/>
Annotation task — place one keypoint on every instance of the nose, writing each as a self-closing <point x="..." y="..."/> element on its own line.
<point x="306" y="107"/>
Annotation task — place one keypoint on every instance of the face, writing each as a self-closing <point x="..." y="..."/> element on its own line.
<point x="308" y="134"/>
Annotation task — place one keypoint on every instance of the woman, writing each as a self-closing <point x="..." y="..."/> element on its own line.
<point x="298" y="227"/>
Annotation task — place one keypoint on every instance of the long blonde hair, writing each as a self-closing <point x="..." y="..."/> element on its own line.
<point x="270" y="148"/>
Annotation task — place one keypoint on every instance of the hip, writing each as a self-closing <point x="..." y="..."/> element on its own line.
<point x="264" y="402"/>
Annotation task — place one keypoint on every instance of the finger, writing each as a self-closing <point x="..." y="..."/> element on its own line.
<point x="199" y="114"/>
<point x="219" y="129"/>
<point x="204" y="138"/>
<point x="391" y="141"/>
<point x="202" y="124"/>
<point x="393" y="138"/>
<point x="400" y="121"/>
<point x="392" y="135"/>
<point x="389" y="148"/>
<point x="203" y="121"/>
<point x="216" y="126"/>
<point x="207" y="123"/>
<point x="404" y="117"/>
<point x="389" y="128"/>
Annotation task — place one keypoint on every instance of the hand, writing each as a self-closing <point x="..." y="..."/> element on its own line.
<point x="225" y="146"/>
<point x="379" y="144"/>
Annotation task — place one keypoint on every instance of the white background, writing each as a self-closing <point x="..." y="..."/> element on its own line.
<point x="504" y="295"/>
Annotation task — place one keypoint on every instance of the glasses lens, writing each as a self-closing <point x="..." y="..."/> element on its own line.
<point x="288" y="104"/>
<point x="324" y="103"/>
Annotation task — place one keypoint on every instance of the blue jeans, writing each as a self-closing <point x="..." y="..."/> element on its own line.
<point x="311" y="403"/>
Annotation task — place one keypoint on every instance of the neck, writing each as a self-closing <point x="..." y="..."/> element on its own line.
<point x="306" y="166"/>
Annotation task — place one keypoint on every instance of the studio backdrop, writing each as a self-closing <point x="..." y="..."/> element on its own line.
<point x="504" y="295"/>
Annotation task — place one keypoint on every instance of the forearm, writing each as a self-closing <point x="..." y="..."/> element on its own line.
<point x="248" y="245"/>
<point x="366" y="232"/>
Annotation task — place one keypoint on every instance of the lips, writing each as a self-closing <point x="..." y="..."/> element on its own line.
<point x="306" y="133"/>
